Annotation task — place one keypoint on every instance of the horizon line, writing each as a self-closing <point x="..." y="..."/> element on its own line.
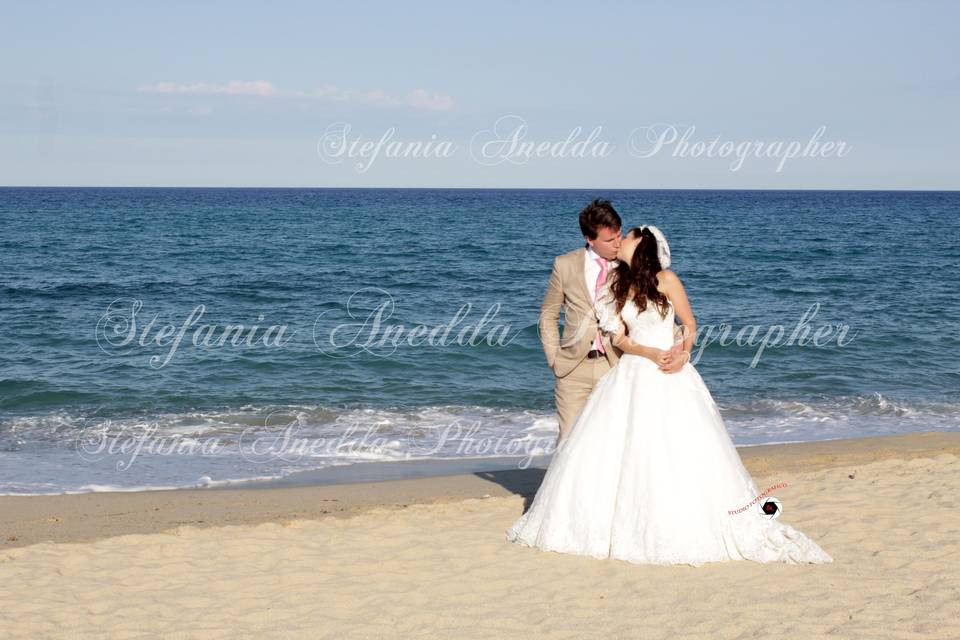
<point x="386" y="188"/>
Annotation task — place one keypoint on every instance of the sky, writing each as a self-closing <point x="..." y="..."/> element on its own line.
<point x="699" y="95"/>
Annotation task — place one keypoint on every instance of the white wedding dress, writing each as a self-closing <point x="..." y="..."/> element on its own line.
<point x="648" y="473"/>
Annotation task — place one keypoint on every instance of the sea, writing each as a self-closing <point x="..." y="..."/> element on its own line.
<point x="159" y="338"/>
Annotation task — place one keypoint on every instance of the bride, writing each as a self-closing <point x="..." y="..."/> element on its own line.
<point x="648" y="474"/>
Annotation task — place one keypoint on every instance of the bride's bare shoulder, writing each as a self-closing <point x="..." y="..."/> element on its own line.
<point x="667" y="277"/>
<point x="668" y="283"/>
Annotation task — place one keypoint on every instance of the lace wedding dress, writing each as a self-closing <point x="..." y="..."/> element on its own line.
<point x="648" y="473"/>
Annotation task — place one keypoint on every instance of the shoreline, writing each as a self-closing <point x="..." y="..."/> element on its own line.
<point x="343" y="492"/>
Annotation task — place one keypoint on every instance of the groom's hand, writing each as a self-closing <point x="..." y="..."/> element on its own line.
<point x="676" y="362"/>
<point x="676" y="350"/>
<point x="674" y="359"/>
<point x="658" y="356"/>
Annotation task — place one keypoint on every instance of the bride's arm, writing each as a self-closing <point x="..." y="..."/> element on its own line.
<point x="672" y="287"/>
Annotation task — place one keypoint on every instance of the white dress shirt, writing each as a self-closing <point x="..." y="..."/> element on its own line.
<point x="591" y="273"/>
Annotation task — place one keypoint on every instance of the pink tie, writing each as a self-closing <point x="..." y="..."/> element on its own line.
<point x="601" y="278"/>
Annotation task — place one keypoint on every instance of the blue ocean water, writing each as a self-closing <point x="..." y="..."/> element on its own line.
<point x="389" y="324"/>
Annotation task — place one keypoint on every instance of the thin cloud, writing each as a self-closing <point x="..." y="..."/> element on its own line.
<point x="417" y="98"/>
<point x="232" y="88"/>
<point x="425" y="100"/>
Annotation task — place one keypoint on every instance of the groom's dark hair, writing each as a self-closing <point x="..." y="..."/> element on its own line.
<point x="599" y="213"/>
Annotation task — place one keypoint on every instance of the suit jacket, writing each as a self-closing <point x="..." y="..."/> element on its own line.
<point x="568" y="290"/>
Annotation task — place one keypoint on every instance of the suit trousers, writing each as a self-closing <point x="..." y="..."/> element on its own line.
<point x="572" y="390"/>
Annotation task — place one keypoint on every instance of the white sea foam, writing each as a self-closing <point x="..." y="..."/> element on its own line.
<point x="49" y="454"/>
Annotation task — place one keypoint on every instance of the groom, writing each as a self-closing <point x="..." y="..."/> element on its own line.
<point x="583" y="354"/>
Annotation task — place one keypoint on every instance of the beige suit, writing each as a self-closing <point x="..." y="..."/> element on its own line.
<point x="575" y="374"/>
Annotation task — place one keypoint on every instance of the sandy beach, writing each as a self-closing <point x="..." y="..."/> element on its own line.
<point x="426" y="557"/>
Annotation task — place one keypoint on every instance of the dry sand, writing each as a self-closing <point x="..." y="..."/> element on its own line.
<point x="350" y="561"/>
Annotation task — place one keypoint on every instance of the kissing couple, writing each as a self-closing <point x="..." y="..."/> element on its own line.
<point x="644" y="470"/>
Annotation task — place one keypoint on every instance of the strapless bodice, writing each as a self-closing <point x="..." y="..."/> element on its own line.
<point x="647" y="327"/>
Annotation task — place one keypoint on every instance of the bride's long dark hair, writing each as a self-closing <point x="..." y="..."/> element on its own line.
<point x="640" y="277"/>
